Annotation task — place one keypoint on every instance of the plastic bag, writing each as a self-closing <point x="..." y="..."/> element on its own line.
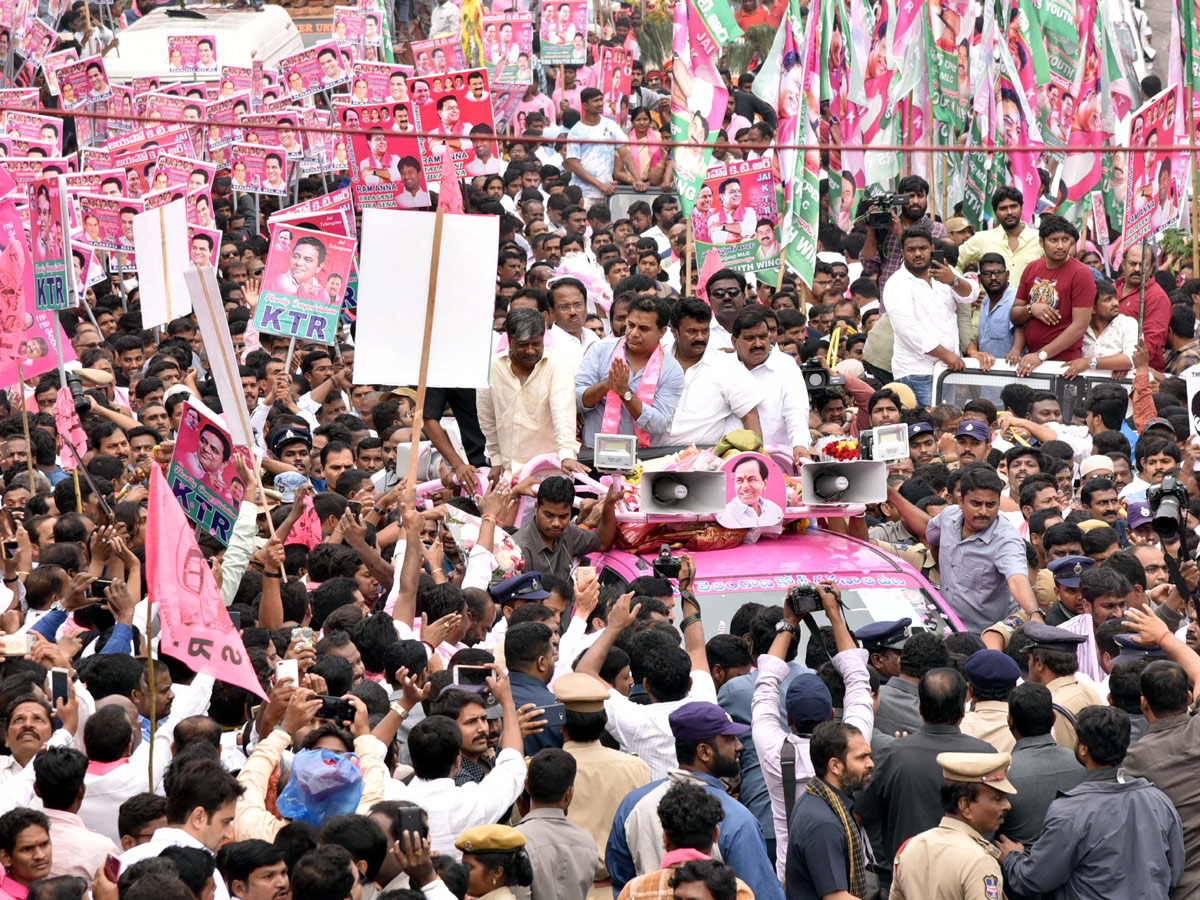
<point x="322" y="784"/>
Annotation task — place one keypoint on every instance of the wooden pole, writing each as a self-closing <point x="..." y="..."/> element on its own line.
<point x="25" y="425"/>
<point x="685" y="289"/>
<point x="423" y="372"/>
<point x="1142" y="289"/>
<point x="162" y="231"/>
<point x="1191" y="120"/>
<point x="150" y="686"/>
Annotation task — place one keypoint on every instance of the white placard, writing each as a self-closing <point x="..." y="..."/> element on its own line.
<point x="205" y="298"/>
<point x="164" y="292"/>
<point x="397" y="250"/>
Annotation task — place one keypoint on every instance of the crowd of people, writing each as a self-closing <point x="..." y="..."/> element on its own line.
<point x="448" y="711"/>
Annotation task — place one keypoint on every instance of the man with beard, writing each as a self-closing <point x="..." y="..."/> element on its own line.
<point x="1158" y="305"/>
<point x="707" y="747"/>
<point x="885" y="264"/>
<point x="1015" y="241"/>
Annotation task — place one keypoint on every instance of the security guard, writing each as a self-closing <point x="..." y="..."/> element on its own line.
<point x="954" y="861"/>
<point x="1052" y="662"/>
<point x="1069" y="600"/>
<point x="991" y="676"/>
<point x="883" y="642"/>
<point x="496" y="861"/>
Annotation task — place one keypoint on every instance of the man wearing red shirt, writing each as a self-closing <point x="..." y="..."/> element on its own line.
<point x="751" y="14"/>
<point x="1158" y="305"/>
<point x="1054" y="299"/>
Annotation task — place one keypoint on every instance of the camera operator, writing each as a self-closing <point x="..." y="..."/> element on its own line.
<point x="808" y="702"/>
<point x="885" y="262"/>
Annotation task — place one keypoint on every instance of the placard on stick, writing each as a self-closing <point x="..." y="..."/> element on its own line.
<point x="162" y="241"/>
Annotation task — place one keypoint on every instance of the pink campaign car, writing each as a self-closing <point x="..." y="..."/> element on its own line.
<point x="875" y="585"/>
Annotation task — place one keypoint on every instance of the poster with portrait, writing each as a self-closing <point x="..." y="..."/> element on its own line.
<point x="616" y="81"/>
<point x="192" y="54"/>
<point x="564" y="32"/>
<point x="1155" y="178"/>
<point x="258" y="169"/>
<point x="200" y="207"/>
<point x="385" y="163"/>
<point x="737" y="214"/>
<point x="311" y="71"/>
<point x="234" y="80"/>
<point x="382" y="83"/>
<point x="25" y="170"/>
<point x="107" y="222"/>
<point x="755" y="495"/>
<point x="303" y="283"/>
<point x="83" y="81"/>
<point x="38" y="42"/>
<point x="226" y="110"/>
<point x="204" y="246"/>
<point x="29" y="126"/>
<point x="438" y="56"/>
<point x="172" y="170"/>
<point x="55" y="61"/>
<point x="356" y="27"/>
<point x="203" y="476"/>
<point x="274" y="129"/>
<point x="48" y="231"/>
<point x="508" y="46"/>
<point x="449" y="117"/>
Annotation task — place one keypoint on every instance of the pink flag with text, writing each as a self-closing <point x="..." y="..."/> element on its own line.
<point x="307" y="530"/>
<point x="196" y="627"/>
<point x="450" y="199"/>
<point x="66" y="421"/>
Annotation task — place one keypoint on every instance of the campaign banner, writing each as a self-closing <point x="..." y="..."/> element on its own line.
<point x="277" y="129"/>
<point x="740" y="216"/>
<point x="448" y="118"/>
<point x="564" y="32"/>
<point x="508" y="46"/>
<point x="385" y="165"/>
<point x="172" y="170"/>
<point x="303" y="283"/>
<point x="357" y="27"/>
<point x="36" y="329"/>
<point x="616" y="81"/>
<point x="229" y="109"/>
<point x="316" y="125"/>
<point x="32" y="127"/>
<point x="438" y="56"/>
<point x="234" y="80"/>
<point x="26" y="170"/>
<point x="199" y="207"/>
<point x="505" y="100"/>
<point x="340" y="202"/>
<point x="192" y="54"/>
<point x="38" y="42"/>
<point x="202" y="474"/>
<point x="258" y="169"/>
<point x="1154" y="179"/>
<point x="204" y="246"/>
<point x="384" y="83"/>
<point x="83" y="81"/>
<point x="107" y="221"/>
<point x="48" y="231"/>
<point x="311" y="71"/>
<point x="55" y="61"/>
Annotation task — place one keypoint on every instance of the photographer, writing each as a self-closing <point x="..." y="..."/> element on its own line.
<point x="885" y="263"/>
<point x="808" y="702"/>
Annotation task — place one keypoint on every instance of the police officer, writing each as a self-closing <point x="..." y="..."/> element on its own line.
<point x="991" y="676"/>
<point x="883" y="642"/>
<point x="512" y="593"/>
<point x="1052" y="662"/>
<point x="1069" y="603"/>
<point x="954" y="861"/>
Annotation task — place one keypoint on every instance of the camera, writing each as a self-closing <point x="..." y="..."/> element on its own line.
<point x="665" y="565"/>
<point x="818" y="378"/>
<point x="883" y="443"/>
<point x="1168" y="502"/>
<point x="82" y="404"/>
<point x="879" y="212"/>
<point x="803" y="600"/>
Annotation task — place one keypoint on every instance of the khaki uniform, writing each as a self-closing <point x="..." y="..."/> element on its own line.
<point x="1043" y="589"/>
<point x="950" y="862"/>
<point x="561" y="853"/>
<point x="603" y="778"/>
<point x="1072" y="696"/>
<point x="988" y="721"/>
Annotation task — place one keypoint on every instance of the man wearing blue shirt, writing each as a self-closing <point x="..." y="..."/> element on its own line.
<point x="995" y="327"/>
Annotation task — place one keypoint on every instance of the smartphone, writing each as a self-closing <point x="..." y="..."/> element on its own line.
<point x="470" y="675"/>
<point x="287" y="668"/>
<point x="16" y="644"/>
<point x="336" y="709"/>
<point x="355" y="507"/>
<point x="10" y="548"/>
<point x="97" y="588"/>
<point x="938" y="256"/>
<point x="305" y="634"/>
<point x="60" y="686"/>
<point x="112" y="868"/>
<point x="410" y="818"/>
<point x="585" y="574"/>
<point x="554" y="714"/>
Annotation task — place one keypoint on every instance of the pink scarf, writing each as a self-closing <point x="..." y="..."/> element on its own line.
<point x="645" y="392"/>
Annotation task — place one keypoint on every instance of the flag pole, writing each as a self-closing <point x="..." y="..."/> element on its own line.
<point x="423" y="373"/>
<point x="25" y="424"/>
<point x="150" y="685"/>
<point x="1191" y="120"/>
<point x="689" y="250"/>
<point x="1142" y="289"/>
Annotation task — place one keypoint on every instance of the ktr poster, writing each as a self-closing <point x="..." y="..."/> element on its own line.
<point x="564" y="32"/>
<point x="203" y="476"/>
<point x="438" y="56"/>
<point x="736" y="213"/>
<point x="508" y="46"/>
<point x="385" y="166"/>
<point x="48" y="230"/>
<point x="616" y="81"/>
<point x="258" y="169"/>
<point x="449" y="118"/>
<point x="303" y="283"/>
<point x="313" y="70"/>
<point x="1155" y="179"/>
<point x="382" y="83"/>
<point x="107" y="221"/>
<point x="191" y="54"/>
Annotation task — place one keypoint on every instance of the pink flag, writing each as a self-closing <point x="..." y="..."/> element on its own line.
<point x="711" y="265"/>
<point x="66" y="421"/>
<point x="307" y="530"/>
<point x="450" y="199"/>
<point x="195" y="625"/>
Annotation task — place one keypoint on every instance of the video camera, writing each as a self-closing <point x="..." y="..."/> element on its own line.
<point x="817" y="378"/>
<point x="1168" y="502"/>
<point x="82" y="404"/>
<point x="880" y="208"/>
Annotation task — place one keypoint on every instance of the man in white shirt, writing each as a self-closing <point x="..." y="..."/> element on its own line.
<point x="413" y="196"/>
<point x="726" y="294"/>
<point x="783" y="410"/>
<point x="526" y="411"/>
<point x="379" y="166"/>
<point x="568" y="309"/>
<point x="434" y="746"/>
<point x="483" y="142"/>
<point x="920" y="299"/>
<point x="719" y="395"/>
<point x="666" y="212"/>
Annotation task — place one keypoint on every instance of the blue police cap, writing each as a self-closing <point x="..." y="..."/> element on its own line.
<point x="702" y="721"/>
<point x="991" y="669"/>
<point x="520" y="588"/>
<point x="1132" y="651"/>
<point x="1139" y="514"/>
<point x="973" y="428"/>
<point x="885" y="635"/>
<point x="919" y="428"/>
<point x="1068" y="570"/>
<point x="1048" y="637"/>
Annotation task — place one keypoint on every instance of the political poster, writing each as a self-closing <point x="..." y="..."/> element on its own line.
<point x="83" y="81"/>
<point x="228" y="109"/>
<point x="192" y="54"/>
<point x="107" y="221"/>
<point x="204" y="246"/>
<point x="48" y="234"/>
<point x="332" y="212"/>
<point x="385" y="165"/>
<point x="311" y="71"/>
<point x="616" y="81"/>
<point x="26" y="170"/>
<point x="450" y="117"/>
<point x="203" y="476"/>
<point x="438" y="56"/>
<point x="234" y="80"/>
<point x="303" y="283"/>
<point x="200" y="207"/>
<point x="28" y="126"/>
<point x="508" y="46"/>
<point x="1154" y="179"/>
<point x="181" y="170"/>
<point x="564" y="32"/>
<point x="356" y="27"/>
<point x="737" y="214"/>
<point x="35" y="329"/>
<point x="258" y="169"/>
<point x="381" y="83"/>
<point x="55" y="61"/>
<point x="38" y="42"/>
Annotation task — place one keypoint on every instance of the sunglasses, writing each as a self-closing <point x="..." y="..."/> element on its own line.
<point x="722" y="293"/>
